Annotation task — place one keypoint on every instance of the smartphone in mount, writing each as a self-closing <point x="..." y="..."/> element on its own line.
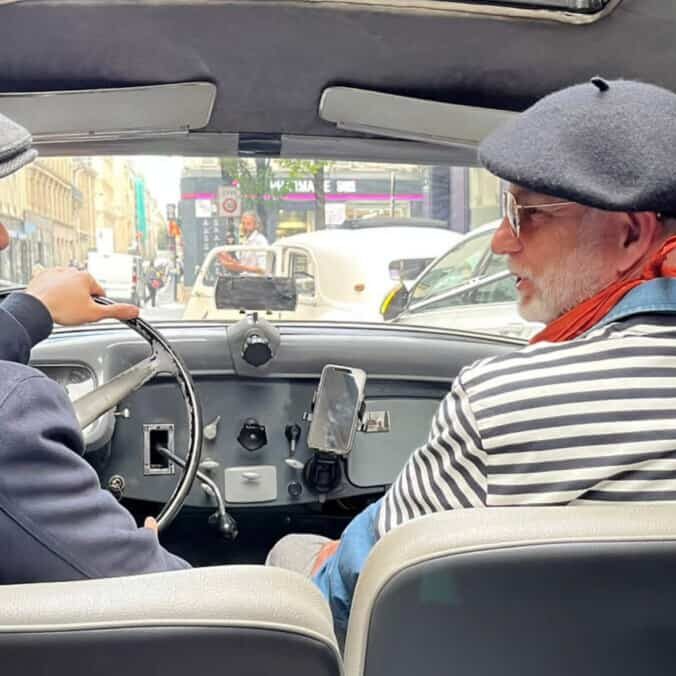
<point x="337" y="409"/>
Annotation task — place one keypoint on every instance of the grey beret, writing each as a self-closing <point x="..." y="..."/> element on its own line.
<point x="15" y="147"/>
<point x="606" y="144"/>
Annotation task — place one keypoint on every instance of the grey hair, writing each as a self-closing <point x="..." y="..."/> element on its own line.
<point x="255" y="216"/>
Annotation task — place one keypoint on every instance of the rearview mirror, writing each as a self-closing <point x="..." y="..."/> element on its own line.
<point x="250" y="292"/>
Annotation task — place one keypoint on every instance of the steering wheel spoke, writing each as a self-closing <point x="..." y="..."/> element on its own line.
<point x="94" y="404"/>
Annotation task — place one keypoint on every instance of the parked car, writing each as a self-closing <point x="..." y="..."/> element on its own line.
<point x="468" y="288"/>
<point x="340" y="274"/>
<point x="121" y="275"/>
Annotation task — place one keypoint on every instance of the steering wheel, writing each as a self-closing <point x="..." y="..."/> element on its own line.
<point x="163" y="359"/>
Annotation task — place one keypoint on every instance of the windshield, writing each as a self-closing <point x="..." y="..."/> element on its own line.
<point x="161" y="232"/>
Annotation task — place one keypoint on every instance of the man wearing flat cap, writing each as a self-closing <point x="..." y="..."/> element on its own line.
<point x="585" y="414"/>
<point x="56" y="523"/>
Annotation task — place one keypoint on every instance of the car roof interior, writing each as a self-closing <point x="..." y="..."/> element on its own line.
<point x="253" y="74"/>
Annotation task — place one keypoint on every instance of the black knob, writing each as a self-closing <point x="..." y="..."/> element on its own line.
<point x="295" y="489"/>
<point x="225" y="525"/>
<point x="252" y="435"/>
<point x="256" y="350"/>
<point x="116" y="485"/>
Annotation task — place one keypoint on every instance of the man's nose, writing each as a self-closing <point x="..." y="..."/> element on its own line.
<point x="504" y="241"/>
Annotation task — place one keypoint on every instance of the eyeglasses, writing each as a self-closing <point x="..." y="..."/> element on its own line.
<point x="512" y="210"/>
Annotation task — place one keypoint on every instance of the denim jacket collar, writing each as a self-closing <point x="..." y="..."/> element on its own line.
<point x="657" y="295"/>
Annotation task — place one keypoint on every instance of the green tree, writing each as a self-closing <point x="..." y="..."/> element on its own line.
<point x="316" y="170"/>
<point x="255" y="178"/>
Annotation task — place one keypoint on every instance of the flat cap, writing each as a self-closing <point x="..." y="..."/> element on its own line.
<point x="609" y="144"/>
<point x="15" y="147"/>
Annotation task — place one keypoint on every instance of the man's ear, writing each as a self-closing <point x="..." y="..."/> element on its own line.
<point x="639" y="232"/>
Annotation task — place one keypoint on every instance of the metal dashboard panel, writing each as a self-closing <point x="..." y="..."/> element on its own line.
<point x="378" y="456"/>
<point x="409" y="372"/>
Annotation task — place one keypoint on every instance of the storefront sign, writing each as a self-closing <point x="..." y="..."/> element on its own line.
<point x="202" y="208"/>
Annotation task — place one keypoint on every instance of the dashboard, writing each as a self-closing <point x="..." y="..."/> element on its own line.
<point x="249" y="410"/>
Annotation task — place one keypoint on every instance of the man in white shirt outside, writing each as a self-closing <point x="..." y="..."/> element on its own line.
<point x="250" y="262"/>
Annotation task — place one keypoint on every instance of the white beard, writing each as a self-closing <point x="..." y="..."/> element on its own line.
<point x="577" y="276"/>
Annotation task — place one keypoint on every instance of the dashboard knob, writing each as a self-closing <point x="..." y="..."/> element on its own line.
<point x="295" y="489"/>
<point x="116" y="485"/>
<point x="256" y="350"/>
<point x="252" y="435"/>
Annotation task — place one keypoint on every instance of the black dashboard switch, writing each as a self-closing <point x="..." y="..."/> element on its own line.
<point x="295" y="489"/>
<point x="116" y="485"/>
<point x="292" y="434"/>
<point x="252" y="435"/>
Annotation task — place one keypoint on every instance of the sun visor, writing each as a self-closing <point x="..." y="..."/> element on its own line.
<point x="111" y="114"/>
<point x="402" y="117"/>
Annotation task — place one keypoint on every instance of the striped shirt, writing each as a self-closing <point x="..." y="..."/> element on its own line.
<point x="588" y="421"/>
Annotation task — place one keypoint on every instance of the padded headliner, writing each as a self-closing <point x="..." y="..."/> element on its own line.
<point x="271" y="60"/>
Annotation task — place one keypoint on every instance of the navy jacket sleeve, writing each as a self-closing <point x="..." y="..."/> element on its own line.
<point x="24" y="322"/>
<point x="56" y="523"/>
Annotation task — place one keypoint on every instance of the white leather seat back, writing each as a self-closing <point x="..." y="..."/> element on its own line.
<point x="236" y="620"/>
<point x="530" y="591"/>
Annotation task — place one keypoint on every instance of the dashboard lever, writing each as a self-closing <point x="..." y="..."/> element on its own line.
<point x="292" y="434"/>
<point x="227" y="526"/>
<point x="211" y="430"/>
<point x="208" y="465"/>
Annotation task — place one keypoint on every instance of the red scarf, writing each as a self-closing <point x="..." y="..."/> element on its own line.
<point x="585" y="315"/>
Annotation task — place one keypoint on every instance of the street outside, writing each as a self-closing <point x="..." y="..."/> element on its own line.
<point x="167" y="309"/>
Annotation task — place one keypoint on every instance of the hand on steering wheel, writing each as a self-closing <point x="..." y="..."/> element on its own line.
<point x="67" y="295"/>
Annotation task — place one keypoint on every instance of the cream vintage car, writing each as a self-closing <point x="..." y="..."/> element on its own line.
<point x="339" y="274"/>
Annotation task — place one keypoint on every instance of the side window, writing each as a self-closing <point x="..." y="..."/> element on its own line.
<point x="300" y="268"/>
<point x="501" y="291"/>
<point x="457" y="267"/>
<point x="441" y="304"/>
<point x="494" y="264"/>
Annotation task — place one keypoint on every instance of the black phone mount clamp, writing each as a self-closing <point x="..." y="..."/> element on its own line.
<point x="322" y="472"/>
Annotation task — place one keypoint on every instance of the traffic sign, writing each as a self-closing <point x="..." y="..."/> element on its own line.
<point x="229" y="201"/>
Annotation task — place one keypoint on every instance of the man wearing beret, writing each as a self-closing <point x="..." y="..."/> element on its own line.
<point x="56" y="523"/>
<point x="586" y="413"/>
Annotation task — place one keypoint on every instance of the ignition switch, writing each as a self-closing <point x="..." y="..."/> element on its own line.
<point x="116" y="485"/>
<point x="252" y="435"/>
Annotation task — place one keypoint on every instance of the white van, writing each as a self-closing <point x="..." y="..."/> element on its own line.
<point x="121" y="275"/>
